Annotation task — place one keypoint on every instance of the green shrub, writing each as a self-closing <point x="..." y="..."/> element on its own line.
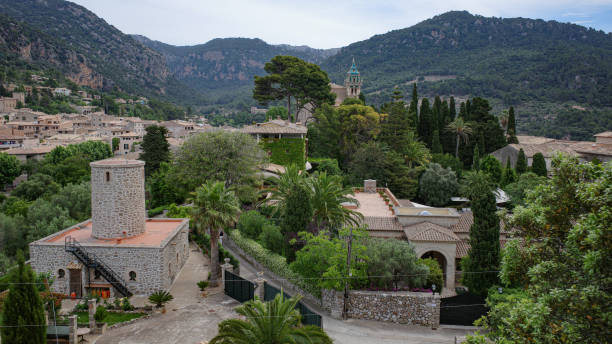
<point x="203" y="285"/>
<point x="177" y="212"/>
<point x="328" y="165"/>
<point x="273" y="262"/>
<point x="435" y="275"/>
<point x="272" y="238"/>
<point x="100" y="313"/>
<point x="285" y="151"/>
<point x="160" y="298"/>
<point x="126" y="305"/>
<point x="156" y="211"/>
<point x="251" y="223"/>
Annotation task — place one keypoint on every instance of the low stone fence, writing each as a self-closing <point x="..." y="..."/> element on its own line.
<point x="399" y="307"/>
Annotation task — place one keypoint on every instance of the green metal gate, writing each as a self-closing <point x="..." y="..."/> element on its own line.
<point x="238" y="288"/>
<point x="308" y="316"/>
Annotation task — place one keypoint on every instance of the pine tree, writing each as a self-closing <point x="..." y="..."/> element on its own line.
<point x="23" y="306"/>
<point x="484" y="255"/>
<point x="425" y="128"/>
<point x="476" y="159"/>
<point x="538" y="165"/>
<point x="521" y="162"/>
<point x="436" y="146"/>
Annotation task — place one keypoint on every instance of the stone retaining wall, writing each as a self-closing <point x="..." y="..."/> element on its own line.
<point x="398" y="307"/>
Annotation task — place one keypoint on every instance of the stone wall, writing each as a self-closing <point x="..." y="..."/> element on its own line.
<point x="155" y="267"/>
<point x="117" y="198"/>
<point x="398" y="307"/>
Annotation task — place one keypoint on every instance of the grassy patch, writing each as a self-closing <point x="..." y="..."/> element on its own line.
<point x="111" y="317"/>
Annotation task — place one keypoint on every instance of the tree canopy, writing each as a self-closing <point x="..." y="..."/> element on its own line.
<point x="292" y="78"/>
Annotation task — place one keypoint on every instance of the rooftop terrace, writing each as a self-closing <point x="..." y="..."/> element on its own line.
<point x="371" y="204"/>
<point x="156" y="233"/>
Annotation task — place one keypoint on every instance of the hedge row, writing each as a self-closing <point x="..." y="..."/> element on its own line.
<point x="272" y="261"/>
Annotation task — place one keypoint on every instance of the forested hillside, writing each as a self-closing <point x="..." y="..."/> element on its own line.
<point x="72" y="39"/>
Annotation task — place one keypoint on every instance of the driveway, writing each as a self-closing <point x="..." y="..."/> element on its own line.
<point x="354" y="331"/>
<point x="190" y="318"/>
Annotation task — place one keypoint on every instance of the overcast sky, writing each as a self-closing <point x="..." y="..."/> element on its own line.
<point x="318" y="23"/>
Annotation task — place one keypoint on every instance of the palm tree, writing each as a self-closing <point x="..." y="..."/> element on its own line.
<point x="414" y="151"/>
<point x="284" y="184"/>
<point x="272" y="322"/>
<point x="214" y="207"/>
<point x="461" y="129"/>
<point x="328" y="196"/>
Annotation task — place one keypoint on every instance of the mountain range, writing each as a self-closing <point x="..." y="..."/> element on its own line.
<point x="543" y="66"/>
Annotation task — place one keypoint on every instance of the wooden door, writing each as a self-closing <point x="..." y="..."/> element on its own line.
<point x="76" y="282"/>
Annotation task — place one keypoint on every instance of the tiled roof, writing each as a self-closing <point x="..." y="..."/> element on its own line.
<point x="275" y="127"/>
<point x="463" y="247"/>
<point x="32" y="150"/>
<point x="427" y="231"/>
<point x="604" y="134"/>
<point x="383" y="223"/>
<point x="593" y="148"/>
<point x="467" y="219"/>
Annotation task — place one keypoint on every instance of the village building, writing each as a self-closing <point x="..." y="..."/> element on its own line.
<point x="118" y="252"/>
<point x="9" y="140"/>
<point x="7" y="104"/>
<point x="438" y="233"/>
<point x="129" y="142"/>
<point x="61" y="91"/>
<point x="601" y="149"/>
<point x="350" y="89"/>
<point x="178" y="128"/>
<point x="23" y="154"/>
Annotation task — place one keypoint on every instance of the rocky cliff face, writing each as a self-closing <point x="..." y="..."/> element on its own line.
<point x="227" y="61"/>
<point x="89" y="50"/>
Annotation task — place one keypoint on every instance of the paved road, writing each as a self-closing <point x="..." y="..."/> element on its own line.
<point x="190" y="318"/>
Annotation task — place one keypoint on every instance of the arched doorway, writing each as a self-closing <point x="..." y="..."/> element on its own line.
<point x="439" y="257"/>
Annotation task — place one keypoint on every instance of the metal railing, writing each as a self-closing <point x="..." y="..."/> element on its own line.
<point x="92" y="261"/>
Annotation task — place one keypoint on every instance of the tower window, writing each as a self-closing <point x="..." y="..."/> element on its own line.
<point x="61" y="273"/>
<point x="108" y="176"/>
<point x="132" y="276"/>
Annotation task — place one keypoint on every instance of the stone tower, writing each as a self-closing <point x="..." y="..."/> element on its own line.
<point x="353" y="82"/>
<point x="117" y="198"/>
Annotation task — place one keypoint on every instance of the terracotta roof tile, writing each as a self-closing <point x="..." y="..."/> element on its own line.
<point x="382" y="223"/>
<point x="427" y="231"/>
<point x="467" y="219"/>
<point x="275" y="127"/>
<point x="463" y="247"/>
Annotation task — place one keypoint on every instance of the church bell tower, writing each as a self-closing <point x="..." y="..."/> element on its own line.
<point x="353" y="82"/>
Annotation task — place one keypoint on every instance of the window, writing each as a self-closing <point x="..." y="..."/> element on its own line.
<point x="61" y="273"/>
<point x="126" y="146"/>
<point x="108" y="176"/>
<point x="97" y="275"/>
<point x="132" y="275"/>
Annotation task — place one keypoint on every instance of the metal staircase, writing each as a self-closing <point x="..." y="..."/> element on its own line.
<point x="92" y="261"/>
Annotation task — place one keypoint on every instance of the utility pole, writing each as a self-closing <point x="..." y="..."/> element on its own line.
<point x="350" y="274"/>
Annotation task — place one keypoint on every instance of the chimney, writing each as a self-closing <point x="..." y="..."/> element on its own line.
<point x="369" y="185"/>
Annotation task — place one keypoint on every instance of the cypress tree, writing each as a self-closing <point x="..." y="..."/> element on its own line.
<point x="462" y="112"/>
<point x="538" y="166"/>
<point x="23" y="306"/>
<point x="425" y="129"/>
<point x="509" y="175"/>
<point x="413" y="112"/>
<point x="155" y="148"/>
<point x="511" y="120"/>
<point x="436" y="146"/>
<point x="511" y="137"/>
<point x="484" y="254"/>
<point x="452" y="110"/>
<point x="436" y="115"/>
<point x="296" y="215"/>
<point x="476" y="159"/>
<point x="521" y="162"/>
<point x="414" y="103"/>
<point x="468" y="110"/>
<point x="481" y="142"/>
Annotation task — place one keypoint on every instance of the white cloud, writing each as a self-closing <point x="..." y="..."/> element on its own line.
<point x="318" y="23"/>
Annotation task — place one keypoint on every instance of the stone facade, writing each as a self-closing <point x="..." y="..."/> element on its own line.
<point x="398" y="307"/>
<point x="118" y="198"/>
<point x="155" y="267"/>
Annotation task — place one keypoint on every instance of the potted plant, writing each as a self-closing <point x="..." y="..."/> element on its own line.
<point x="99" y="316"/>
<point x="160" y="298"/>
